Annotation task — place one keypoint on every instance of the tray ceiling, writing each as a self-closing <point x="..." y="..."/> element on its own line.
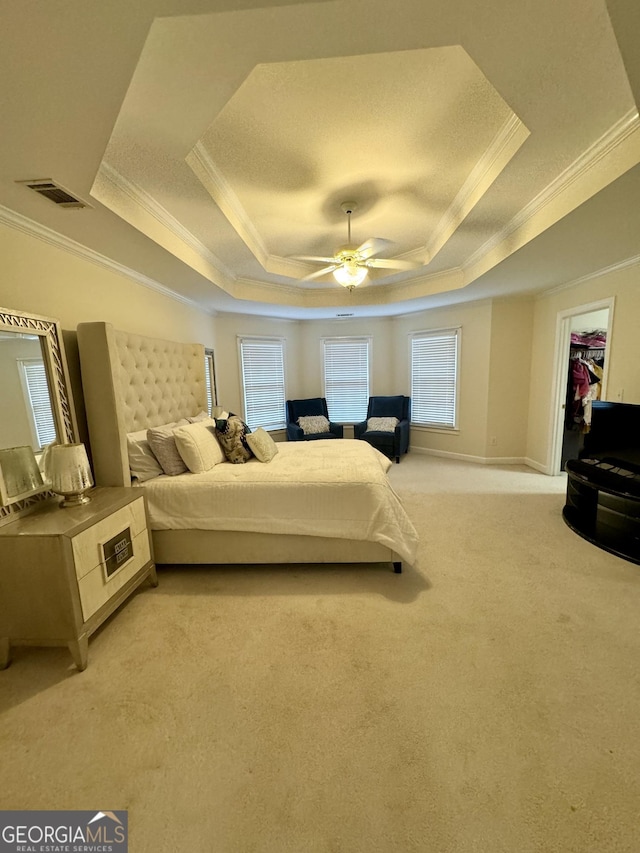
<point x="227" y="139"/>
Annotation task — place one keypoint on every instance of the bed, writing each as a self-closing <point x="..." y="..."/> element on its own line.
<point x="315" y="502"/>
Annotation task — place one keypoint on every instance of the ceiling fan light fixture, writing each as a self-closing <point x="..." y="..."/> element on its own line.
<point x="350" y="275"/>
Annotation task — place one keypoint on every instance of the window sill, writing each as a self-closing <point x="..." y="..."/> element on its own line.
<point x="443" y="430"/>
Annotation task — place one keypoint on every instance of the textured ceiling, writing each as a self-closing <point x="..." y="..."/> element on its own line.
<point x="400" y="133"/>
<point x="215" y="141"/>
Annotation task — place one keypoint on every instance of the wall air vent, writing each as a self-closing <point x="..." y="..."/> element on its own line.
<point x="54" y="192"/>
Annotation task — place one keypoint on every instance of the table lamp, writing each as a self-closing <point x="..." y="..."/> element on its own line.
<point x="69" y="472"/>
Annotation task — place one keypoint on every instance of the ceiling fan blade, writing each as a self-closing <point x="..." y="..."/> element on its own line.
<point x="321" y="272"/>
<point x="392" y="264"/>
<point x="372" y="246"/>
<point x="315" y="258"/>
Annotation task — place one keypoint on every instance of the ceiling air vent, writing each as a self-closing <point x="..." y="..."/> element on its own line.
<point x="344" y="315"/>
<point x="54" y="192"/>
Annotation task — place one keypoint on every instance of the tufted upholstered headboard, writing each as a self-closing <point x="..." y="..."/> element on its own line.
<point x="131" y="382"/>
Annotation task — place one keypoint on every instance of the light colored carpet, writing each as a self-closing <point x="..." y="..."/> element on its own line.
<point x="487" y="699"/>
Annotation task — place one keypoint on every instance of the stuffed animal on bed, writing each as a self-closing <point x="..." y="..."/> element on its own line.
<point x="231" y="433"/>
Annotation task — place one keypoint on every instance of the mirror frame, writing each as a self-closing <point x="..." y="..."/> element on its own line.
<point x="50" y="334"/>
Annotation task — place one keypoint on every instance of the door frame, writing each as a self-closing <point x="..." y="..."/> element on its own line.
<point x="561" y="360"/>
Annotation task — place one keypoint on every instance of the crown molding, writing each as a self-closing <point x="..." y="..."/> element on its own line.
<point x="381" y="294"/>
<point x="253" y="290"/>
<point x="503" y="147"/>
<point x="34" y="229"/>
<point x="220" y="190"/>
<point x="149" y="204"/>
<point x="581" y="166"/>
<point x="629" y="263"/>
<point x="207" y="172"/>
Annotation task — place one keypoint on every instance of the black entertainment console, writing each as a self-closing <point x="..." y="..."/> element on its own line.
<point x="603" y="486"/>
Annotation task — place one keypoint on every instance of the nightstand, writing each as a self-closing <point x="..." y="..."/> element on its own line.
<point x="64" y="571"/>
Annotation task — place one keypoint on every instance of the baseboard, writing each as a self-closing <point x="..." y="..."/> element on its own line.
<point x="478" y="460"/>
<point x="538" y="466"/>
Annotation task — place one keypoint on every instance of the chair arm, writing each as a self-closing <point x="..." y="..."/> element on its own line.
<point x="336" y="429"/>
<point x="295" y="432"/>
<point x="359" y="429"/>
<point x="402" y="431"/>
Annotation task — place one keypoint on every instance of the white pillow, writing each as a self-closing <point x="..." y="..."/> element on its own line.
<point x="382" y="424"/>
<point x="163" y="444"/>
<point x="201" y="416"/>
<point x="142" y="462"/>
<point x="263" y="446"/>
<point x="313" y="424"/>
<point x="198" y="447"/>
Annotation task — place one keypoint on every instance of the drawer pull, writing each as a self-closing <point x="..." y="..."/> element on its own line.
<point x="116" y="552"/>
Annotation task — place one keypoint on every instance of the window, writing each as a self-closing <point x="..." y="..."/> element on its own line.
<point x="346" y="378"/>
<point x="36" y="390"/>
<point x="434" y="378"/>
<point x="262" y="368"/>
<point x="210" y="379"/>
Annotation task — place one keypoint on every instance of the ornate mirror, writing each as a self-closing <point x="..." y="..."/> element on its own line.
<point x="36" y="409"/>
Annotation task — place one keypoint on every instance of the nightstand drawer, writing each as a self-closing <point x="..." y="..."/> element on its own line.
<point x="96" y="589"/>
<point x="88" y="545"/>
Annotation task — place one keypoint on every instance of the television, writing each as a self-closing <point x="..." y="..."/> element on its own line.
<point x="614" y="433"/>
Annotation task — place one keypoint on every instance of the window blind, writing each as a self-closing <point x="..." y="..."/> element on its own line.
<point x="434" y="378"/>
<point x="262" y="364"/>
<point x="35" y="377"/>
<point x="346" y="378"/>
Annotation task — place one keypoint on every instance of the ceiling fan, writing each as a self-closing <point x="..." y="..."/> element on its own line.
<point x="350" y="265"/>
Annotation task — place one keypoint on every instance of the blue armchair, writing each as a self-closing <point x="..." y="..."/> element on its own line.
<point x="303" y="408"/>
<point x="390" y="443"/>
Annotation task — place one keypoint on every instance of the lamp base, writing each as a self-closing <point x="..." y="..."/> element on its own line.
<point x="75" y="500"/>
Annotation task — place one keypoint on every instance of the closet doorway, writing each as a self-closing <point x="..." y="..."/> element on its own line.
<point x="581" y="376"/>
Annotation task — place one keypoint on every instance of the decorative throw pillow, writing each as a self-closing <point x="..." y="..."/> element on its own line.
<point x="232" y="435"/>
<point x="382" y="424"/>
<point x="263" y="446"/>
<point x="313" y="424"/>
<point x="163" y="444"/>
<point x="198" y="446"/>
<point x="142" y="462"/>
<point x="201" y="416"/>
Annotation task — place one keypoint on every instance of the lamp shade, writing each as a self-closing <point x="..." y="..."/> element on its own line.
<point x="69" y="472"/>
<point x="350" y="275"/>
<point x="19" y="472"/>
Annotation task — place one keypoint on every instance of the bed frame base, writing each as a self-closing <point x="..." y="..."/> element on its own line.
<point x="224" y="547"/>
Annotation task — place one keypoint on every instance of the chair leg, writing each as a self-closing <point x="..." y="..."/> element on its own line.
<point x="397" y="567"/>
<point x="397" y="460"/>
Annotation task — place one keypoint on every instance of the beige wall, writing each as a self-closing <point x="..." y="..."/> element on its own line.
<point x="475" y="322"/>
<point x="228" y="328"/>
<point x="44" y="279"/>
<point x="509" y="368"/>
<point x="383" y="352"/>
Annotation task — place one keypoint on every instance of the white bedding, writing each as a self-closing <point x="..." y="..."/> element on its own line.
<point x="334" y="488"/>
